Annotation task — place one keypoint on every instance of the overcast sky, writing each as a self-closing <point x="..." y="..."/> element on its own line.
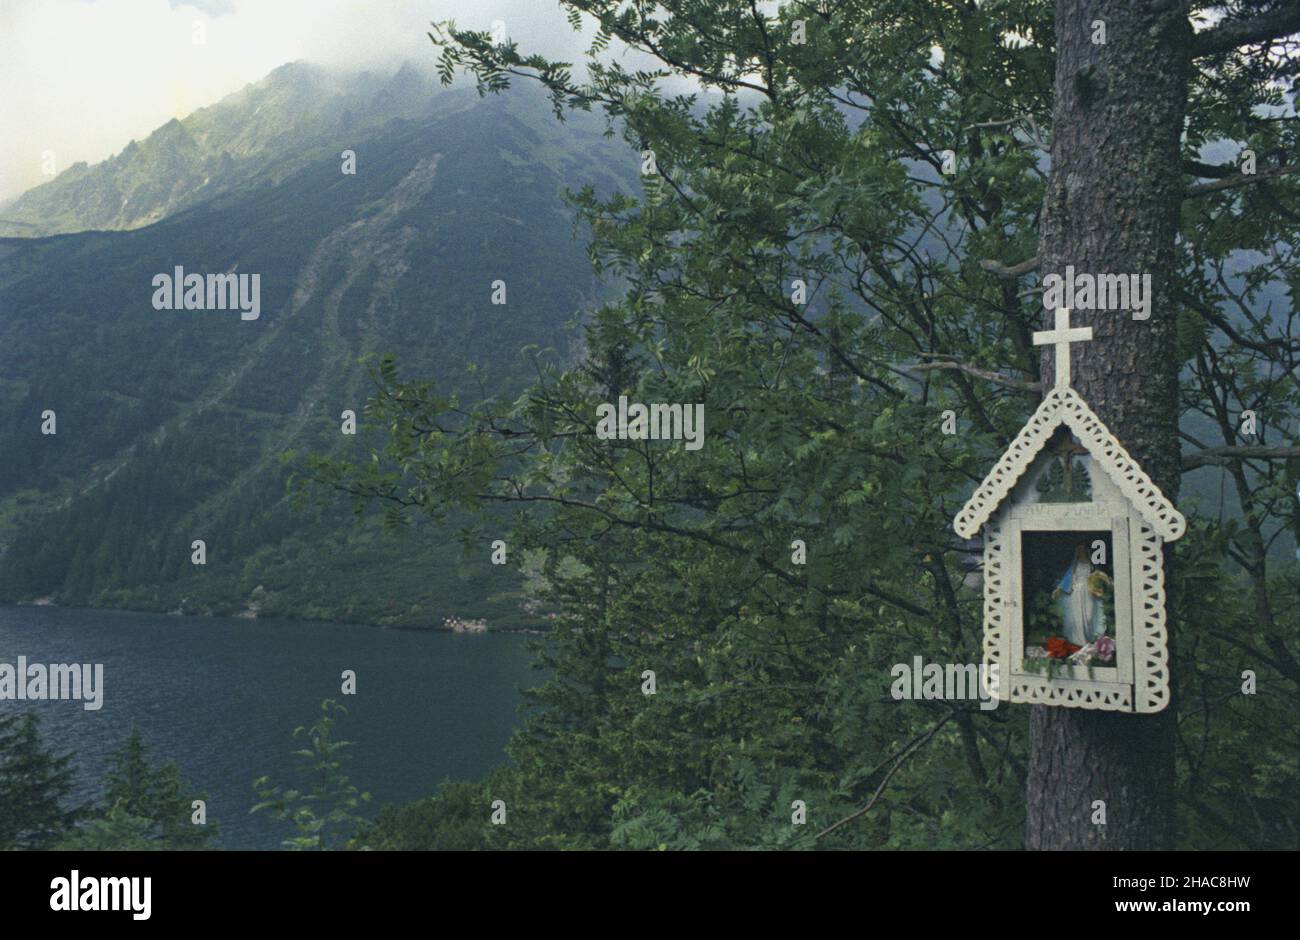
<point x="81" y="78"/>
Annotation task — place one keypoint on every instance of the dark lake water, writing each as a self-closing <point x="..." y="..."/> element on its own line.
<point x="221" y="697"/>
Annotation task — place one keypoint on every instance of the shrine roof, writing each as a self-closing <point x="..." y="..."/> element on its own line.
<point x="1063" y="406"/>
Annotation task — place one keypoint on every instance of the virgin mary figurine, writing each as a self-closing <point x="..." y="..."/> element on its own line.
<point x="1083" y="615"/>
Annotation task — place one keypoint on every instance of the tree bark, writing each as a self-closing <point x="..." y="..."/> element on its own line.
<point x="1112" y="207"/>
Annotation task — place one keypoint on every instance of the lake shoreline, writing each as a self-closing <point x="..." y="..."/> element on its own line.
<point x="252" y="615"/>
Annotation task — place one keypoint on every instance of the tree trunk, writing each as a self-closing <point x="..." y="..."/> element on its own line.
<point x="1112" y="207"/>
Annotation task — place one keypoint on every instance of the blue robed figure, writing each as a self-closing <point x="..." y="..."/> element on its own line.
<point x="1083" y="615"/>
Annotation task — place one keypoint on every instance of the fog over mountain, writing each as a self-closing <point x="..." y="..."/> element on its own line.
<point x="298" y="114"/>
<point x="82" y="77"/>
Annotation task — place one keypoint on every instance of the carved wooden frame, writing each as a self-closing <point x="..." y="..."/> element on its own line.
<point x="1139" y="682"/>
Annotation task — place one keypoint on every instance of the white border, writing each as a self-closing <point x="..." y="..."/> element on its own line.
<point x="1148" y="690"/>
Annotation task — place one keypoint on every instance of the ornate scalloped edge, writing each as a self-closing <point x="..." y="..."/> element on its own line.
<point x="1064" y="406"/>
<point x="1009" y="468"/>
<point x="996" y="639"/>
<point x="1150" y="637"/>
<point x="1150" y="689"/>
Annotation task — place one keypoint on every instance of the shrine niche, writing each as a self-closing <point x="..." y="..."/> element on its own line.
<point x="1073" y="532"/>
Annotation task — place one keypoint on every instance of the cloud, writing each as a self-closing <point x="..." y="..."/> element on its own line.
<point x="84" y="77"/>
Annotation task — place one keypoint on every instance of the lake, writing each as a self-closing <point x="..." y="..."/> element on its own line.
<point x="221" y="697"/>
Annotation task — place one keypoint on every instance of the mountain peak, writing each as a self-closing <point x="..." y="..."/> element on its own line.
<point x="406" y="73"/>
<point x="170" y="129"/>
<point x="292" y="71"/>
<point x="408" y="88"/>
<point x="276" y="122"/>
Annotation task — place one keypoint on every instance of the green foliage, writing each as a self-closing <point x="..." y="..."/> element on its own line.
<point x="137" y="791"/>
<point x="822" y="162"/>
<point x="115" y="831"/>
<point x="324" y="812"/>
<point x="1042" y="618"/>
<point x="35" y="784"/>
<point x="456" y="818"/>
<point x="143" y="808"/>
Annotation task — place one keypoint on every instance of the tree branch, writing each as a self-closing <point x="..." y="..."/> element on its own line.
<point x="1225" y="181"/>
<point x="1219" y="456"/>
<point x="906" y="753"/>
<point x="1240" y="179"/>
<point x="1209" y="171"/>
<point x="997" y="378"/>
<point x="1230" y="34"/>
<point x="1286" y="666"/>
<point x="1272" y="347"/>
<point x="1014" y="270"/>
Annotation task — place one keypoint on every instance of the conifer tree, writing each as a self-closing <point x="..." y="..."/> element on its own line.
<point x="35" y="787"/>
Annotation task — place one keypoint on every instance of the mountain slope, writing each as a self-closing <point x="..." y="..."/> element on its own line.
<point x="170" y="423"/>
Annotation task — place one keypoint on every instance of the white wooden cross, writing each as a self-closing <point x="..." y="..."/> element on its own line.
<point x="1062" y="337"/>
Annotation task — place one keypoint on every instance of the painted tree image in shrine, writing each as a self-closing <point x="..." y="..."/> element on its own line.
<point x="1066" y="479"/>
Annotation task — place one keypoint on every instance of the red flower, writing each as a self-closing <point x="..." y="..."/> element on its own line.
<point x="1058" y="647"/>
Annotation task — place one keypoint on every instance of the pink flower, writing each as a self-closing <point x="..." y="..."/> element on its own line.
<point x="1105" y="649"/>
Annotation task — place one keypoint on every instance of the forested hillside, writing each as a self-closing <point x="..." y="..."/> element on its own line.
<point x="171" y="424"/>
